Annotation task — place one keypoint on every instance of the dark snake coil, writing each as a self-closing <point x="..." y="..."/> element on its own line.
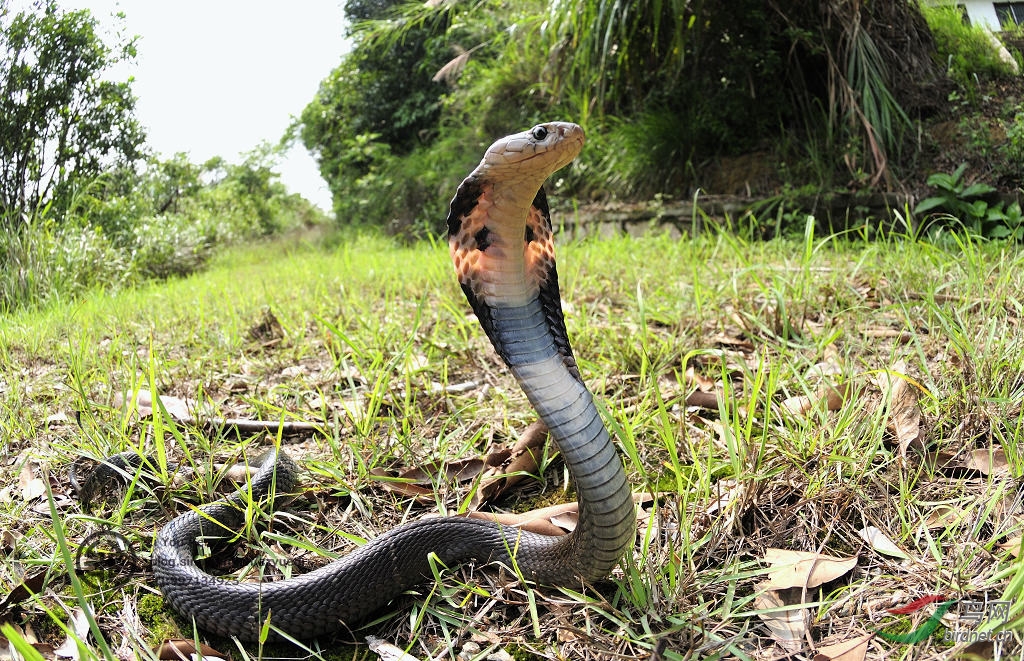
<point x="501" y="244"/>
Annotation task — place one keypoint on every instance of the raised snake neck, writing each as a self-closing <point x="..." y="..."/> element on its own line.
<point x="501" y="244"/>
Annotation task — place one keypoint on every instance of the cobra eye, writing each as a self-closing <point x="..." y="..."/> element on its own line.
<point x="539" y="133"/>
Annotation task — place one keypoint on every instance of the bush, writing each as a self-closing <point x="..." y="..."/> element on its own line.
<point x="45" y="262"/>
<point x="967" y="51"/>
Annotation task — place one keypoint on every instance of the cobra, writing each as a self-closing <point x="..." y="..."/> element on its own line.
<point x="501" y="244"/>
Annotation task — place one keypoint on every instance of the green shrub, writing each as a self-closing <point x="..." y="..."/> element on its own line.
<point x="969" y="207"/>
<point x="967" y="51"/>
<point x="45" y="261"/>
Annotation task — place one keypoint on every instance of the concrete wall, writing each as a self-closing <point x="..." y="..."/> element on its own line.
<point x="981" y="12"/>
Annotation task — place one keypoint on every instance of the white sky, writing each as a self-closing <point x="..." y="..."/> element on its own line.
<point x="217" y="77"/>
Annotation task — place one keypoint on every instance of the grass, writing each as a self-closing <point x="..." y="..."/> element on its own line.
<point x="375" y="345"/>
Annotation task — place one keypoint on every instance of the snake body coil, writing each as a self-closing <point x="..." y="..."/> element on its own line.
<point x="501" y="244"/>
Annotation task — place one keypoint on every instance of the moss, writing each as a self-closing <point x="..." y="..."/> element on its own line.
<point x="158" y="620"/>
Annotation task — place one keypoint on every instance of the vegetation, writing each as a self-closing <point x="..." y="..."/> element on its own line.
<point x="665" y="89"/>
<point x="63" y="124"/>
<point x="165" y="218"/>
<point x="677" y="97"/>
<point x="863" y="385"/>
<point x="865" y="396"/>
<point x="82" y="202"/>
<point x="967" y="51"/>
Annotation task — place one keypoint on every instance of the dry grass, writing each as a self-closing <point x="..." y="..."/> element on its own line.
<point x="375" y="344"/>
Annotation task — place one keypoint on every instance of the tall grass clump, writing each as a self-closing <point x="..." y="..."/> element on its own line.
<point x="45" y="261"/>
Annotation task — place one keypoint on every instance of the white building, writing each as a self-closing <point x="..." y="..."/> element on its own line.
<point x="993" y="15"/>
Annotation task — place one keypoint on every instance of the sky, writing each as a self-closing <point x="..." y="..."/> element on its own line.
<point x="218" y="77"/>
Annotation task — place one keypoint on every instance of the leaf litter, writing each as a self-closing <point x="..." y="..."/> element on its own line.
<point x="769" y="502"/>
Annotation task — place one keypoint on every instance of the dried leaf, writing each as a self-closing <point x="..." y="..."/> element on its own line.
<point x="904" y="411"/>
<point x="520" y="462"/>
<point x="828" y="367"/>
<point x="57" y="419"/>
<point x="827" y="395"/>
<point x="31" y="486"/>
<point x="176" y="407"/>
<point x="567" y="520"/>
<point x="1013" y="545"/>
<point x="498" y="471"/>
<point x="554" y="520"/>
<point x="901" y="336"/>
<point x="787" y="626"/>
<point x="943" y="516"/>
<point x="185" y="650"/>
<point x="29" y="586"/>
<point x="386" y="651"/>
<point x="79" y="628"/>
<point x="803" y="569"/>
<point x="407" y="487"/>
<point x="8" y="541"/>
<point x="879" y="542"/>
<point x="989" y="461"/>
<point x="854" y="649"/>
<point x="702" y="382"/>
<point x="418" y="482"/>
<point x="739" y="343"/>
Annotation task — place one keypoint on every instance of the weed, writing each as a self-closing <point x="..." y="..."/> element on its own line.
<point x="969" y="206"/>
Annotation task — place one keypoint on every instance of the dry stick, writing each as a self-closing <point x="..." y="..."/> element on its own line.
<point x="247" y="426"/>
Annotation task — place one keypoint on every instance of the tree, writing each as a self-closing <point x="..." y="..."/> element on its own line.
<point x="382" y="92"/>
<point x="62" y="124"/>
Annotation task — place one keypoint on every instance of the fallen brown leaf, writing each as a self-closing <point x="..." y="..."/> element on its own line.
<point x="386" y="651"/>
<point x="418" y="482"/>
<point x="803" y="569"/>
<point x="901" y="336"/>
<point x="904" y="411"/>
<point x="498" y="471"/>
<point x="29" y="586"/>
<point x="942" y="516"/>
<point x="881" y="543"/>
<point x="395" y="483"/>
<point x="8" y="541"/>
<point x="854" y="649"/>
<point x="185" y="650"/>
<point x="79" y="629"/>
<point x="520" y="462"/>
<point x="1013" y="545"/>
<point x="831" y="397"/>
<point x="989" y="461"/>
<point x="31" y="486"/>
<point x="543" y="521"/>
<point x="144" y="404"/>
<point x="787" y="626"/>
<point x="734" y="341"/>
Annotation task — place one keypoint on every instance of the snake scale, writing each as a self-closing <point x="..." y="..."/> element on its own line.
<point x="501" y="243"/>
